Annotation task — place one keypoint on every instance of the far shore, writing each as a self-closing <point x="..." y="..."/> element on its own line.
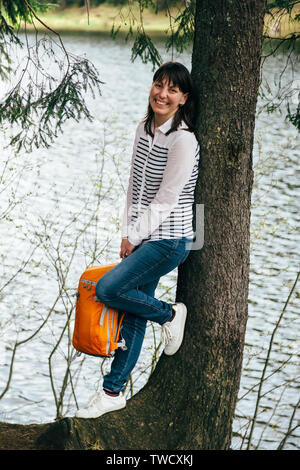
<point x="103" y="18"/>
<point x="100" y="20"/>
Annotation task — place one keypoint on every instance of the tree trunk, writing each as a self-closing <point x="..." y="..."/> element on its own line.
<point x="226" y="69"/>
<point x="190" y="398"/>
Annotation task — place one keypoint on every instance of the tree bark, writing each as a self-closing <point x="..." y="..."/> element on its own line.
<point x="190" y="398"/>
<point x="226" y="70"/>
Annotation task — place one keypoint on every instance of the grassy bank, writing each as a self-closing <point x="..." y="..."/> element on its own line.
<point x="281" y="25"/>
<point x="102" y="18"/>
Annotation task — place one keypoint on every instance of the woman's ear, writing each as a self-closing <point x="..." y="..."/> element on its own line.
<point x="183" y="99"/>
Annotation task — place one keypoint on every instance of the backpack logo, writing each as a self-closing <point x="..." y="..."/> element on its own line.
<point x="87" y="284"/>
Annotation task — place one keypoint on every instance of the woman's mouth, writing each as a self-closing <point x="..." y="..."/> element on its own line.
<point x="160" y="103"/>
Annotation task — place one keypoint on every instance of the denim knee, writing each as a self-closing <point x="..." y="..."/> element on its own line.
<point x="104" y="291"/>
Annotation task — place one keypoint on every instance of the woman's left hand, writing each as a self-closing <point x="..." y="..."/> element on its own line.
<point x="126" y="248"/>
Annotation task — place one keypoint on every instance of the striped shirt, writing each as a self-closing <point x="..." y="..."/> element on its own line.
<point x="162" y="181"/>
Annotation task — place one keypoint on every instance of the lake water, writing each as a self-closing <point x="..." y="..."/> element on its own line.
<point x="61" y="211"/>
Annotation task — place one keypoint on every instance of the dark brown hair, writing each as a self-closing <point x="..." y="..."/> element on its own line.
<point x="178" y="75"/>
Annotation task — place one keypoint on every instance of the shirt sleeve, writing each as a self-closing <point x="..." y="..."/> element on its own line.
<point x="128" y="201"/>
<point x="179" y="168"/>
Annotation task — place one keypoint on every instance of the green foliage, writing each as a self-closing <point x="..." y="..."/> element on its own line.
<point x="116" y="2"/>
<point x="294" y="118"/>
<point x="14" y="10"/>
<point x="36" y="112"/>
<point x="7" y="37"/>
<point x="144" y="48"/>
<point x="40" y="113"/>
<point x="179" y="35"/>
<point x="182" y="33"/>
<point x="36" y="108"/>
<point x="288" y="47"/>
<point x="286" y="5"/>
<point x="18" y="9"/>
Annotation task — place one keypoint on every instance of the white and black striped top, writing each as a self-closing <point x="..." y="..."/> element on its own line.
<point x="162" y="181"/>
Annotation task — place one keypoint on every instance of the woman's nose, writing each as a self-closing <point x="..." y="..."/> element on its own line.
<point x="163" y="92"/>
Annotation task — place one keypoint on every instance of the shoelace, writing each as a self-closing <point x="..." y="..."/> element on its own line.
<point x="93" y="400"/>
<point x="166" y="334"/>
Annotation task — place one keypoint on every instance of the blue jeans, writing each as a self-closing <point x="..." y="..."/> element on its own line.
<point x="130" y="287"/>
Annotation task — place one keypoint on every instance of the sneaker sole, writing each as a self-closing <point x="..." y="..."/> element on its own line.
<point x="97" y="415"/>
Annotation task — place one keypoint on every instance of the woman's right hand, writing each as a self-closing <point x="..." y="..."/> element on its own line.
<point x="126" y="248"/>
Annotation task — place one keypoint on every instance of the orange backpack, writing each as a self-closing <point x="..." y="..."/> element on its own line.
<point x="97" y="326"/>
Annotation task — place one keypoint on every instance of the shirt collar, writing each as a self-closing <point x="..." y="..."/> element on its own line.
<point x="166" y="126"/>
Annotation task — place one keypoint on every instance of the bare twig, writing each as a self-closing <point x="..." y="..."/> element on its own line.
<point x="266" y="362"/>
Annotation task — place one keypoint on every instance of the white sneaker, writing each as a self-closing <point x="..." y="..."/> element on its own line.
<point x="101" y="403"/>
<point x="173" y="330"/>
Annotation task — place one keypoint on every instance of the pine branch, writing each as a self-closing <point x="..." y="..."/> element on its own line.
<point x="38" y="105"/>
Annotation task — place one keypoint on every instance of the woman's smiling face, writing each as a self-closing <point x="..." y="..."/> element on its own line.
<point x="165" y="99"/>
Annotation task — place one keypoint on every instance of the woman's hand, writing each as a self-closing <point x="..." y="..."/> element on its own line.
<point x="126" y="248"/>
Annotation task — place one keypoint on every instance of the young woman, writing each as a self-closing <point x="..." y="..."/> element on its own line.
<point x="157" y="230"/>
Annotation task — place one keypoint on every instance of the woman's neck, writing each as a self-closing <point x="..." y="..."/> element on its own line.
<point x="160" y="120"/>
